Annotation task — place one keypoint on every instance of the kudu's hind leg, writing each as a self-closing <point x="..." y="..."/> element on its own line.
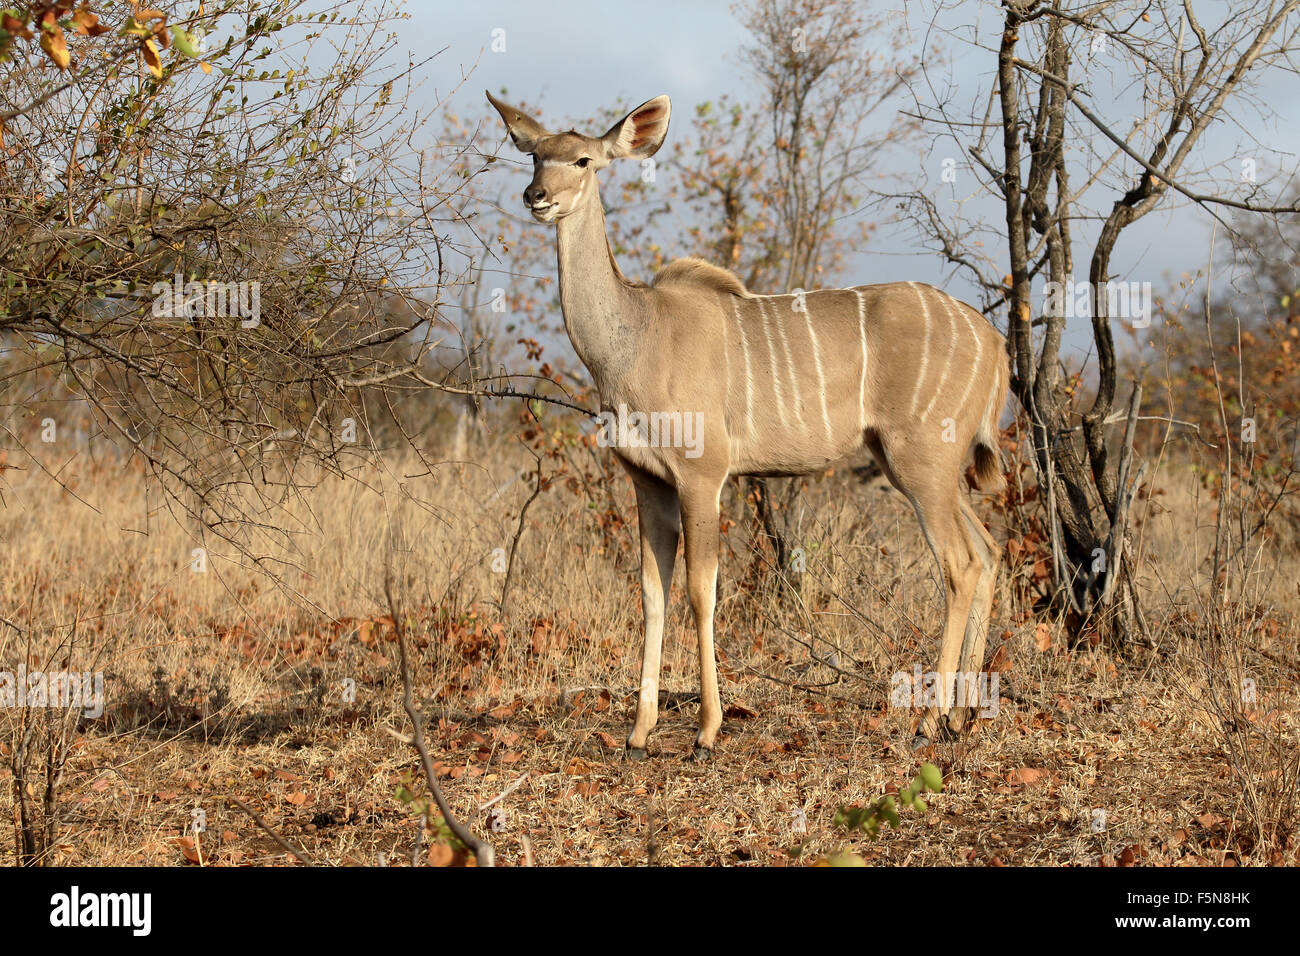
<point x="657" y="516"/>
<point x="933" y="489"/>
<point x="961" y="573"/>
<point x="977" y="624"/>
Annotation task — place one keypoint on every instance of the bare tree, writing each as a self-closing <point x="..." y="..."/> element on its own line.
<point x="216" y="255"/>
<point x="1021" y="139"/>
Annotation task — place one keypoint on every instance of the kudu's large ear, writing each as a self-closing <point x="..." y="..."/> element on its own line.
<point x="523" y="129"/>
<point x="641" y="132"/>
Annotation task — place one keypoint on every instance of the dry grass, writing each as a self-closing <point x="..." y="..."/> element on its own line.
<point x="225" y="682"/>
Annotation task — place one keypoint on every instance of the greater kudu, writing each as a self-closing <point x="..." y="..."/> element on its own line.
<point x="786" y="384"/>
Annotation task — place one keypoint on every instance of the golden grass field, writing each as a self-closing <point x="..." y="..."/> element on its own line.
<point x="227" y="683"/>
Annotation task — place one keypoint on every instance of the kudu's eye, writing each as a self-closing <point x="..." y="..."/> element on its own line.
<point x="582" y="163"/>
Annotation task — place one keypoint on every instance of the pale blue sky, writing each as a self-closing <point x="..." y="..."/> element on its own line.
<point x="581" y="57"/>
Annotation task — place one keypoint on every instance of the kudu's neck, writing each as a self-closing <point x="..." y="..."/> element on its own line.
<point x="602" y="310"/>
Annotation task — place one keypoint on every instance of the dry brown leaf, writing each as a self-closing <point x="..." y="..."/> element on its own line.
<point x="152" y="59"/>
<point x="1043" y="636"/>
<point x="189" y="848"/>
<point x="738" y="710"/>
<point x="11" y="24"/>
<point x="441" y="855"/>
<point x="1027" y="776"/>
<point x="55" y="44"/>
<point x="87" y="23"/>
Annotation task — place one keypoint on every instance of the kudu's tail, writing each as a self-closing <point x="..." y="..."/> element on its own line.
<point x="988" y="457"/>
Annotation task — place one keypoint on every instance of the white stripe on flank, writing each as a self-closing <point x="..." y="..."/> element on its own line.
<point x="817" y="364"/>
<point x="771" y="356"/>
<point x="986" y="431"/>
<point x="862" y="384"/>
<point x="952" y="355"/>
<point x="925" y="348"/>
<point x="726" y="384"/>
<point x="749" y="376"/>
<point x="974" y="364"/>
<point x="789" y="365"/>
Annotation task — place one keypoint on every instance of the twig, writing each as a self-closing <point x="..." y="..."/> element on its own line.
<point x="284" y="844"/>
<point x="492" y="393"/>
<point x="503" y="794"/>
<point x="651" y="844"/>
<point x="519" y="533"/>
<point x="1123" y="497"/>
<point x="483" y="852"/>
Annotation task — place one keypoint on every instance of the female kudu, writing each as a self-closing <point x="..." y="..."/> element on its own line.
<point x="782" y="385"/>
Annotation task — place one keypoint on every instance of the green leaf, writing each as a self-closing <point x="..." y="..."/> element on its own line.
<point x="133" y="27"/>
<point x="184" y="42"/>
<point x="889" y="811"/>
<point x="931" y="777"/>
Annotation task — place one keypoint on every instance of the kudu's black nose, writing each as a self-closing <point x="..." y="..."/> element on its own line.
<point x="534" y="195"/>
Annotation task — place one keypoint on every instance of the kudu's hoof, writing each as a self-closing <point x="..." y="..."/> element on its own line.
<point x="702" y="754"/>
<point x="938" y="728"/>
<point x="634" y="754"/>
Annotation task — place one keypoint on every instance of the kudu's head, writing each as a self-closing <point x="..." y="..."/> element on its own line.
<point x="565" y="164"/>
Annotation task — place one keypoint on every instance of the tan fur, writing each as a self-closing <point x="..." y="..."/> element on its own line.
<point x="692" y="269"/>
<point x="780" y="385"/>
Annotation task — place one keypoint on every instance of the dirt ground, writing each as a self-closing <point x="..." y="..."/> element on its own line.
<point x="219" y="684"/>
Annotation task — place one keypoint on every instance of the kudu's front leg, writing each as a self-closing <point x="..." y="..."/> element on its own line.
<point x="657" y="516"/>
<point x="700" y="525"/>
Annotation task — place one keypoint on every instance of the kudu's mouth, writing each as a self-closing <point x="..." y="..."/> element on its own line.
<point x="544" y="212"/>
